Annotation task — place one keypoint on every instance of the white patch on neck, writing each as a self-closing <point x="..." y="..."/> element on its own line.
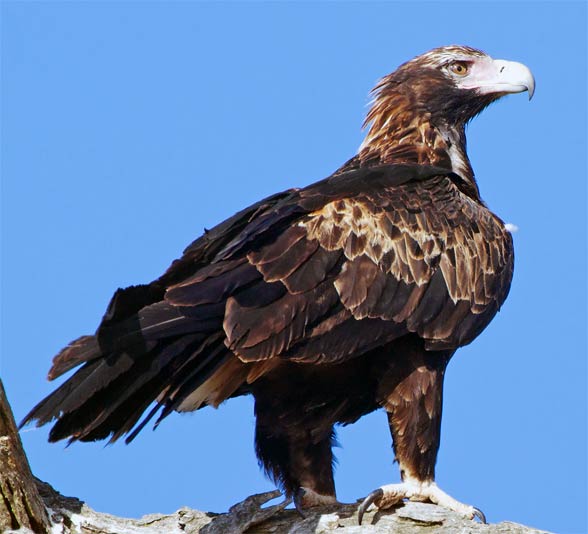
<point x="458" y="159"/>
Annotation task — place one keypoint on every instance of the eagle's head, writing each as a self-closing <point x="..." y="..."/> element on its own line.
<point x="419" y="112"/>
<point x="454" y="83"/>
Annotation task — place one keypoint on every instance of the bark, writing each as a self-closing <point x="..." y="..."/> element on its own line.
<point x="71" y="516"/>
<point x="20" y="503"/>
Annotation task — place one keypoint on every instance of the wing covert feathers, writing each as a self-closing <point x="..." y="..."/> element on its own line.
<point x="413" y="253"/>
<point x="317" y="275"/>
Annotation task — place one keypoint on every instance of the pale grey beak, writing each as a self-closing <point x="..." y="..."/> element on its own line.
<point x="497" y="76"/>
<point x="514" y="77"/>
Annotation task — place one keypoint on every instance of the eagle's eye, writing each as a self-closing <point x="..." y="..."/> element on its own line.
<point x="459" y="67"/>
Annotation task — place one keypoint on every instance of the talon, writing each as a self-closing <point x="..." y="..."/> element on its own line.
<point x="373" y="497"/>
<point x="298" y="501"/>
<point x="480" y="515"/>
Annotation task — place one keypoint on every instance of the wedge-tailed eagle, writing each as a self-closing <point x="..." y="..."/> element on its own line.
<point x="325" y="303"/>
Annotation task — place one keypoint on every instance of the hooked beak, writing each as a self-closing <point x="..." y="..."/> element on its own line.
<point x="502" y="77"/>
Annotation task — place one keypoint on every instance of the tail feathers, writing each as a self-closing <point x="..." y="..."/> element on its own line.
<point x="152" y="322"/>
<point x="115" y="409"/>
<point x="87" y="383"/>
<point x="230" y="377"/>
<point x="197" y="367"/>
<point x="107" y="396"/>
<point x="81" y="350"/>
<point x="144" y="351"/>
<point x="192" y="373"/>
<point x="108" y="357"/>
<point x="156" y="322"/>
<point x="49" y="408"/>
<point x="91" y="379"/>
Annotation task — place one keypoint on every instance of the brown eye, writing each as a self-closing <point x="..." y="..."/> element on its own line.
<point x="459" y="67"/>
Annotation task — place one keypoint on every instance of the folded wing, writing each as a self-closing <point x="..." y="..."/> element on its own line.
<point x="316" y="276"/>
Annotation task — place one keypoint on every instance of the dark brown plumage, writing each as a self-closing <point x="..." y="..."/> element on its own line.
<point x="326" y="302"/>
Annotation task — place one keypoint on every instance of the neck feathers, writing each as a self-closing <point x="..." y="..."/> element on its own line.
<point x="401" y="131"/>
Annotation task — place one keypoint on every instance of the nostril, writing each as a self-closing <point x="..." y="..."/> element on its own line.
<point x="502" y="68"/>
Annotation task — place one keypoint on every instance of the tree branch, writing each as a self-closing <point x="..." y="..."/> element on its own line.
<point x="20" y="503"/>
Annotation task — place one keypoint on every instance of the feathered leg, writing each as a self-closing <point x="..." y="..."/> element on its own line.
<point x="302" y="466"/>
<point x="411" y="391"/>
<point x="299" y="460"/>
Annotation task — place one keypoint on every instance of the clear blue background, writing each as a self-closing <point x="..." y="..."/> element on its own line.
<point x="129" y="127"/>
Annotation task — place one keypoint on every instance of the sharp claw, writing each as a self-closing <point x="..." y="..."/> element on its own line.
<point x="480" y="515"/>
<point x="374" y="496"/>
<point x="298" y="501"/>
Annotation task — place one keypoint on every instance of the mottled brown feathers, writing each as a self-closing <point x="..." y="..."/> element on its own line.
<point x="323" y="302"/>
<point x="368" y="266"/>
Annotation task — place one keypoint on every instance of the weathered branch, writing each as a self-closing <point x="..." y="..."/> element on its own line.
<point x="20" y="503"/>
<point x="251" y="517"/>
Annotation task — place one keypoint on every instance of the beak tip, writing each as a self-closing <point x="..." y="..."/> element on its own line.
<point x="531" y="88"/>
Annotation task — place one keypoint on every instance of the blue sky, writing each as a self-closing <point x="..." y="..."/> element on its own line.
<point x="129" y="127"/>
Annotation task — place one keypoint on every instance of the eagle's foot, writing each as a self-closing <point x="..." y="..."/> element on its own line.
<point x="307" y="498"/>
<point x="391" y="494"/>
